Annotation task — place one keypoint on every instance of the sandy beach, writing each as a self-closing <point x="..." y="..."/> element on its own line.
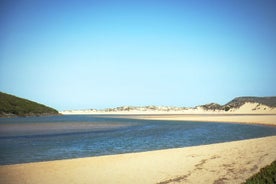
<point x="230" y="162"/>
<point x="262" y="119"/>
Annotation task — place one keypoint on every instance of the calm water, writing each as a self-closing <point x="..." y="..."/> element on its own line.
<point x="61" y="137"/>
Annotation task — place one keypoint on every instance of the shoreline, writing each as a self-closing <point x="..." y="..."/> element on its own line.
<point x="254" y="119"/>
<point x="214" y="163"/>
<point x="228" y="162"/>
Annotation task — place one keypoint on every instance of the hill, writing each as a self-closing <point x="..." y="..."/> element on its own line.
<point x="14" y="106"/>
<point x="238" y="102"/>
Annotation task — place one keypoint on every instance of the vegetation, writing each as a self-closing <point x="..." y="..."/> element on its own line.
<point x="226" y="108"/>
<point x="13" y="106"/>
<point x="237" y="102"/>
<point x="267" y="175"/>
<point x="212" y="106"/>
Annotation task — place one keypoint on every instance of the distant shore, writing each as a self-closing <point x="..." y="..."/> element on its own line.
<point x="262" y="119"/>
<point x="245" y="108"/>
<point x="246" y="118"/>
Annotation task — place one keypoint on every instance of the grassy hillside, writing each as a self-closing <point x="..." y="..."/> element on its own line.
<point x="14" y="106"/>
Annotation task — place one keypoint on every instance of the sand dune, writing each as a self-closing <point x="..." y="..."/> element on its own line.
<point x="247" y="108"/>
<point x="254" y="108"/>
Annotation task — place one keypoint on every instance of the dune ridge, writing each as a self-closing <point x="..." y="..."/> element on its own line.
<point x="246" y="108"/>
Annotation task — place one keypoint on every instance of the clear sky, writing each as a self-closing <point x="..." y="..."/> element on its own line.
<point x="98" y="54"/>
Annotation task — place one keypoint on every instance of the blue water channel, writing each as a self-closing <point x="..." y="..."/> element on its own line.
<point x="35" y="139"/>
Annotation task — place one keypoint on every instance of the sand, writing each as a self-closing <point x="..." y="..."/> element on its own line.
<point x="230" y="162"/>
<point x="223" y="118"/>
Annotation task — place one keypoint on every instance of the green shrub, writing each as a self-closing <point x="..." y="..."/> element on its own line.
<point x="266" y="175"/>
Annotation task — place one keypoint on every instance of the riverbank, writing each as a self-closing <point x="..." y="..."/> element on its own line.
<point x="262" y="119"/>
<point x="230" y="162"/>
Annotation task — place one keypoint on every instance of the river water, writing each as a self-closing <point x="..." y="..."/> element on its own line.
<point x="35" y="139"/>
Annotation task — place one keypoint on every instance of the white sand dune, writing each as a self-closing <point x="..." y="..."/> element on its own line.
<point x="247" y="108"/>
<point x="254" y="108"/>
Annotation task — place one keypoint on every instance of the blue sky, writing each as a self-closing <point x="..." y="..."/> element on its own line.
<point x="98" y="54"/>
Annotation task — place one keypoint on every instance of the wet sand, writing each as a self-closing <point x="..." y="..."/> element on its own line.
<point x="21" y="129"/>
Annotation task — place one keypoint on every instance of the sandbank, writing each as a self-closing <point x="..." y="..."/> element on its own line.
<point x="263" y="119"/>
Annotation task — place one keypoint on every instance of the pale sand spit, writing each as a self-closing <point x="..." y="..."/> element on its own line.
<point x="230" y="118"/>
<point x="230" y="162"/>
